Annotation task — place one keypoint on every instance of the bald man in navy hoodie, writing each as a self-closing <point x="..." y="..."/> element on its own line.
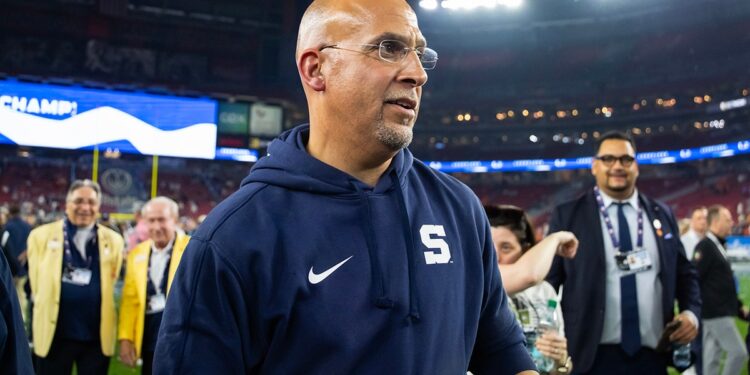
<point x="341" y="253"/>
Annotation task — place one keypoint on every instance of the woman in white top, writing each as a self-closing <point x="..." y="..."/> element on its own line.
<point x="523" y="265"/>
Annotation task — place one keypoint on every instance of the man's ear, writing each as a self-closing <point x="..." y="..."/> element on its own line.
<point x="309" y="67"/>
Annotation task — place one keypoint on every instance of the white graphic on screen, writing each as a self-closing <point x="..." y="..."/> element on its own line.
<point x="106" y="124"/>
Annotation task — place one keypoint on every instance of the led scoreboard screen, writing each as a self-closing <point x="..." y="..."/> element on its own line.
<point x="43" y="115"/>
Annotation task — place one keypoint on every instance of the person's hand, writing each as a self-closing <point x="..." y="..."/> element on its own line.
<point x="22" y="258"/>
<point x="744" y="311"/>
<point x="567" y="244"/>
<point x="554" y="346"/>
<point x="687" y="330"/>
<point x="127" y="353"/>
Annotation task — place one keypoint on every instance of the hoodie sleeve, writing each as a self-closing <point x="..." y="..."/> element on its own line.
<point x="500" y="346"/>
<point x="207" y="327"/>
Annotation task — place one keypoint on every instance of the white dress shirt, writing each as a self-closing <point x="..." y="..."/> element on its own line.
<point x="648" y="284"/>
<point x="82" y="237"/>
<point x="689" y="240"/>
<point x="159" y="261"/>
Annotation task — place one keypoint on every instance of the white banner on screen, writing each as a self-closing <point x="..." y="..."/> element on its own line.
<point x="106" y="124"/>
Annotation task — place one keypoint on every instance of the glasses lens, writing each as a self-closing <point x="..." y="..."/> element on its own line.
<point x="393" y="50"/>
<point x="428" y="58"/>
<point x="626" y="160"/>
<point x="608" y="160"/>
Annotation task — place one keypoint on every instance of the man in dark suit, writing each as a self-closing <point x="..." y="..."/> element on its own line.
<point x="13" y="241"/>
<point x="720" y="333"/>
<point x="619" y="291"/>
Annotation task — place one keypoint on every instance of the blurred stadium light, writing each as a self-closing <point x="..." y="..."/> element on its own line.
<point x="469" y="4"/>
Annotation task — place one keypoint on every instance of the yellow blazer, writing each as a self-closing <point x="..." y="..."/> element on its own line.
<point x="133" y="304"/>
<point x="45" y="257"/>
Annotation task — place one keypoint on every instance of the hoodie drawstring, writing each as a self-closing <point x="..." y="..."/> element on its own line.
<point x="381" y="300"/>
<point x="381" y="292"/>
<point x="413" y="316"/>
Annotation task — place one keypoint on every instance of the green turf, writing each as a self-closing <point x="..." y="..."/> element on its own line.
<point x="117" y="367"/>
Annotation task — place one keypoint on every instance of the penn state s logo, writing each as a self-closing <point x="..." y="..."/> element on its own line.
<point x="431" y="238"/>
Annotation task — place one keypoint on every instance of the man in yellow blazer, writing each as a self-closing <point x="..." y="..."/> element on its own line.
<point x="73" y="266"/>
<point x="150" y="268"/>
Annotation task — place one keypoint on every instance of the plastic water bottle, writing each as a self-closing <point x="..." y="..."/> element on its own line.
<point x="547" y="322"/>
<point x="536" y="356"/>
<point x="681" y="356"/>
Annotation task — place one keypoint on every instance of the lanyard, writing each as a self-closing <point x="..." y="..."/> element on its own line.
<point x="66" y="246"/>
<point x="611" y="229"/>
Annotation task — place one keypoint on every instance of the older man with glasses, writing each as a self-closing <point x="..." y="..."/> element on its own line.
<point x="341" y="253"/>
<point x="73" y="266"/>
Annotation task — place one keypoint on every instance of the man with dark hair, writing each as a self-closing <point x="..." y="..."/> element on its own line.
<point x="719" y="294"/>
<point x="630" y="268"/>
<point x="73" y="266"/>
<point x="13" y="242"/>
<point x="341" y="253"/>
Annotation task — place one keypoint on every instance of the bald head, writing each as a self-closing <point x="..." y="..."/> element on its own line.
<point x="326" y="21"/>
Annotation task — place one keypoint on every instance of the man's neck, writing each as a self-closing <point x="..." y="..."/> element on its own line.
<point x="85" y="227"/>
<point x="356" y="160"/>
<point x="163" y="245"/>
<point x="721" y="238"/>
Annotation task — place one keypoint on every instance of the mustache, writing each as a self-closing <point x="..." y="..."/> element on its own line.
<point x="402" y="94"/>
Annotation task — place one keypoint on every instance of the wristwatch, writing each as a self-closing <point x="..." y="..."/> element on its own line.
<point x="566" y="366"/>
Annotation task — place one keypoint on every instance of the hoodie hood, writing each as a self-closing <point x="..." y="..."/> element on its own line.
<point x="288" y="164"/>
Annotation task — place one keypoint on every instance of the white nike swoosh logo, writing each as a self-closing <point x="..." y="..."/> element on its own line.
<point x="316" y="278"/>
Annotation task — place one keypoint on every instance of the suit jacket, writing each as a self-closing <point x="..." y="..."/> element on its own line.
<point x="133" y="305"/>
<point x="14" y="243"/>
<point x="45" y="256"/>
<point x="716" y="280"/>
<point x="583" y="301"/>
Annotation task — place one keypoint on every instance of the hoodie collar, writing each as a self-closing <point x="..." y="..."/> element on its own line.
<point x="288" y="164"/>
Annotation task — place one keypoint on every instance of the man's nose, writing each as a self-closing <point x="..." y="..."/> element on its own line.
<point x="413" y="71"/>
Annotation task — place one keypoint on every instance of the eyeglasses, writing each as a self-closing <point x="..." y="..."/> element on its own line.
<point x="609" y="160"/>
<point x="394" y="51"/>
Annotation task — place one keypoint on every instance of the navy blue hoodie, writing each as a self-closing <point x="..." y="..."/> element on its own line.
<point x="306" y="270"/>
